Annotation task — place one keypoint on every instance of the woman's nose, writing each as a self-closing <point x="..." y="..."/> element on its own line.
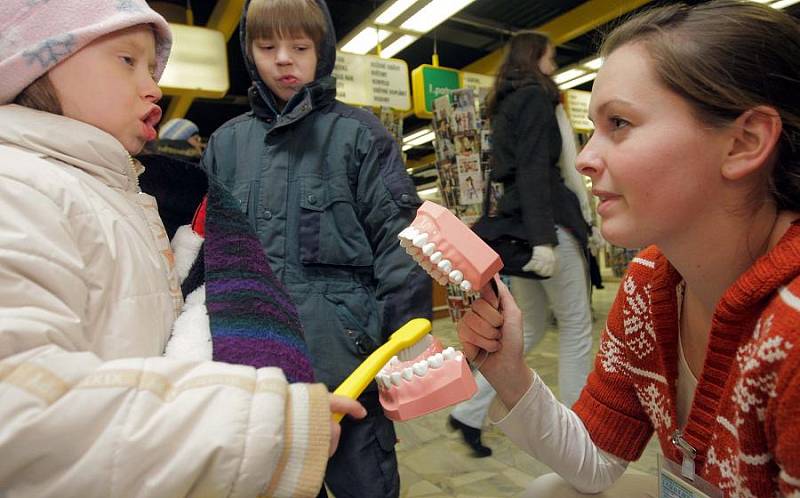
<point x="589" y="162"/>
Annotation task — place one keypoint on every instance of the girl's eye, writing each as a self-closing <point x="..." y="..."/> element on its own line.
<point x="127" y="60"/>
<point x="617" y="123"/>
<point x="301" y="48"/>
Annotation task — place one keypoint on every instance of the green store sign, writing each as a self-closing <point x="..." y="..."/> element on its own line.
<point x="429" y="83"/>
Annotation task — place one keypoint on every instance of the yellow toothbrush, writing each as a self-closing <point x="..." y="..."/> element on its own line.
<point x="407" y="342"/>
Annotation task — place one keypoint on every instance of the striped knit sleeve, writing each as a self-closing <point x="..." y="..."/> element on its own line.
<point x="306" y="435"/>
<point x="608" y="405"/>
<point x="783" y="410"/>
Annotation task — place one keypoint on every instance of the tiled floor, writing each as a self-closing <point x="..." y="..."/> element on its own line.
<point x="435" y="463"/>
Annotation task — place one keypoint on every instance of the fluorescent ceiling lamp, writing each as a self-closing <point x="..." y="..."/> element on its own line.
<point x="406" y="147"/>
<point x="428" y="137"/>
<point x="434" y="14"/>
<point x="761" y="1"/>
<point x="568" y="75"/>
<point x="365" y="41"/>
<point x="577" y="81"/>
<point x="394" y="11"/>
<point x="782" y="4"/>
<point x="416" y="134"/>
<point x="428" y="191"/>
<point x="595" y="63"/>
<point x="397" y="45"/>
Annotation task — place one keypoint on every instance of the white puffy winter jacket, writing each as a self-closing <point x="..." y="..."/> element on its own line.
<point x="88" y="295"/>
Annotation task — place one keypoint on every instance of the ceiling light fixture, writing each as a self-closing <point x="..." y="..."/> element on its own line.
<point x="567" y="75"/>
<point x="782" y="4"/>
<point x="593" y="64"/>
<point x="433" y="14"/>
<point x="394" y="11"/>
<point x="423" y="139"/>
<point x="398" y="45"/>
<point x="428" y="191"/>
<point x="416" y="134"/>
<point x="365" y="40"/>
<point x="577" y="81"/>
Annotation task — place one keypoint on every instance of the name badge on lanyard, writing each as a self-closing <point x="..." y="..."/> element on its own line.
<point x="680" y="481"/>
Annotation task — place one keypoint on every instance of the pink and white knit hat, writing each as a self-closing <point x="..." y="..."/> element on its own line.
<point x="35" y="35"/>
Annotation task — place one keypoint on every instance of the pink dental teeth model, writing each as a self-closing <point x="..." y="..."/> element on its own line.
<point x="452" y="254"/>
<point x="448" y="250"/>
<point x="432" y="381"/>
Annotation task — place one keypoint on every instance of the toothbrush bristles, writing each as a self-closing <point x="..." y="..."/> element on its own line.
<point x="416" y="349"/>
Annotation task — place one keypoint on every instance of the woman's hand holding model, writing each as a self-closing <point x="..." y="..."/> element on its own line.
<point x="494" y="324"/>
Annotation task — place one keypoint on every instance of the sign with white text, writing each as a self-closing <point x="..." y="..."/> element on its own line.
<point x="576" y="103"/>
<point x="368" y="80"/>
<point x="476" y="81"/>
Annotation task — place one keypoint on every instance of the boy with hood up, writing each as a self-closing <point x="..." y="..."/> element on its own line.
<point x="325" y="187"/>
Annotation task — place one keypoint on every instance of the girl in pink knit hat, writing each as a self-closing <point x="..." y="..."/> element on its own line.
<point x="89" y="290"/>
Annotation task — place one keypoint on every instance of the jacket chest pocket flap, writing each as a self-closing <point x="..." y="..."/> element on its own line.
<point x="330" y="231"/>
<point x="244" y="193"/>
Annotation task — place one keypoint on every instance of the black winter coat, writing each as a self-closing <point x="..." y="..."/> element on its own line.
<point x="526" y="147"/>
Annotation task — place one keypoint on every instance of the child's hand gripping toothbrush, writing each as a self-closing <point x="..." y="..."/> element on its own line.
<point x="408" y="342"/>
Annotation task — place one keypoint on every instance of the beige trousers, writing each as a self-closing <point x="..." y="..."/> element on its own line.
<point x="630" y="485"/>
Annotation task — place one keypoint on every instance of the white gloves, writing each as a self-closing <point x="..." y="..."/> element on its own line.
<point x="544" y="261"/>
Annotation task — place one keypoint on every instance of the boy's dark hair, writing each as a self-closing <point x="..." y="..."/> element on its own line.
<point x="40" y="95"/>
<point x="726" y="57"/>
<point x="285" y="18"/>
<point x="520" y="66"/>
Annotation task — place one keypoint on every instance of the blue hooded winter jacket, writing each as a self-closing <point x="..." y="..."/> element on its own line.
<point x="325" y="187"/>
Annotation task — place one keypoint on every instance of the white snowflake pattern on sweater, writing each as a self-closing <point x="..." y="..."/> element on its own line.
<point x="732" y="482"/>
<point x="640" y="334"/>
<point x="611" y="356"/>
<point x="755" y="387"/>
<point x="751" y="394"/>
<point x="655" y="404"/>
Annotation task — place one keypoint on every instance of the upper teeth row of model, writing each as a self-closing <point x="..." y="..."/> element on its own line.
<point x="416" y="244"/>
<point x="389" y="377"/>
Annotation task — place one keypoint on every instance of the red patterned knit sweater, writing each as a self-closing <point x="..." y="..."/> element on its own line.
<point x="745" y="418"/>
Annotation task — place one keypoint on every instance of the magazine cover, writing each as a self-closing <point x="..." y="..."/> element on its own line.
<point x="463" y="153"/>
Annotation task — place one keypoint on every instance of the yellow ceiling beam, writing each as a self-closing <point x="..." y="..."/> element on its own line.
<point x="566" y="27"/>
<point x="225" y="18"/>
<point x="178" y="107"/>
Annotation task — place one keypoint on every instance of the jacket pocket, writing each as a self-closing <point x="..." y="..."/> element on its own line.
<point x="245" y="193"/>
<point x="330" y="230"/>
<point x="341" y="329"/>
<point x="353" y="313"/>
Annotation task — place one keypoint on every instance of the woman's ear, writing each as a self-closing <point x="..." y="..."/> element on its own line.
<point x="755" y="136"/>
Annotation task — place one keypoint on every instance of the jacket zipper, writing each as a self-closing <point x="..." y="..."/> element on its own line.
<point x="132" y="173"/>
